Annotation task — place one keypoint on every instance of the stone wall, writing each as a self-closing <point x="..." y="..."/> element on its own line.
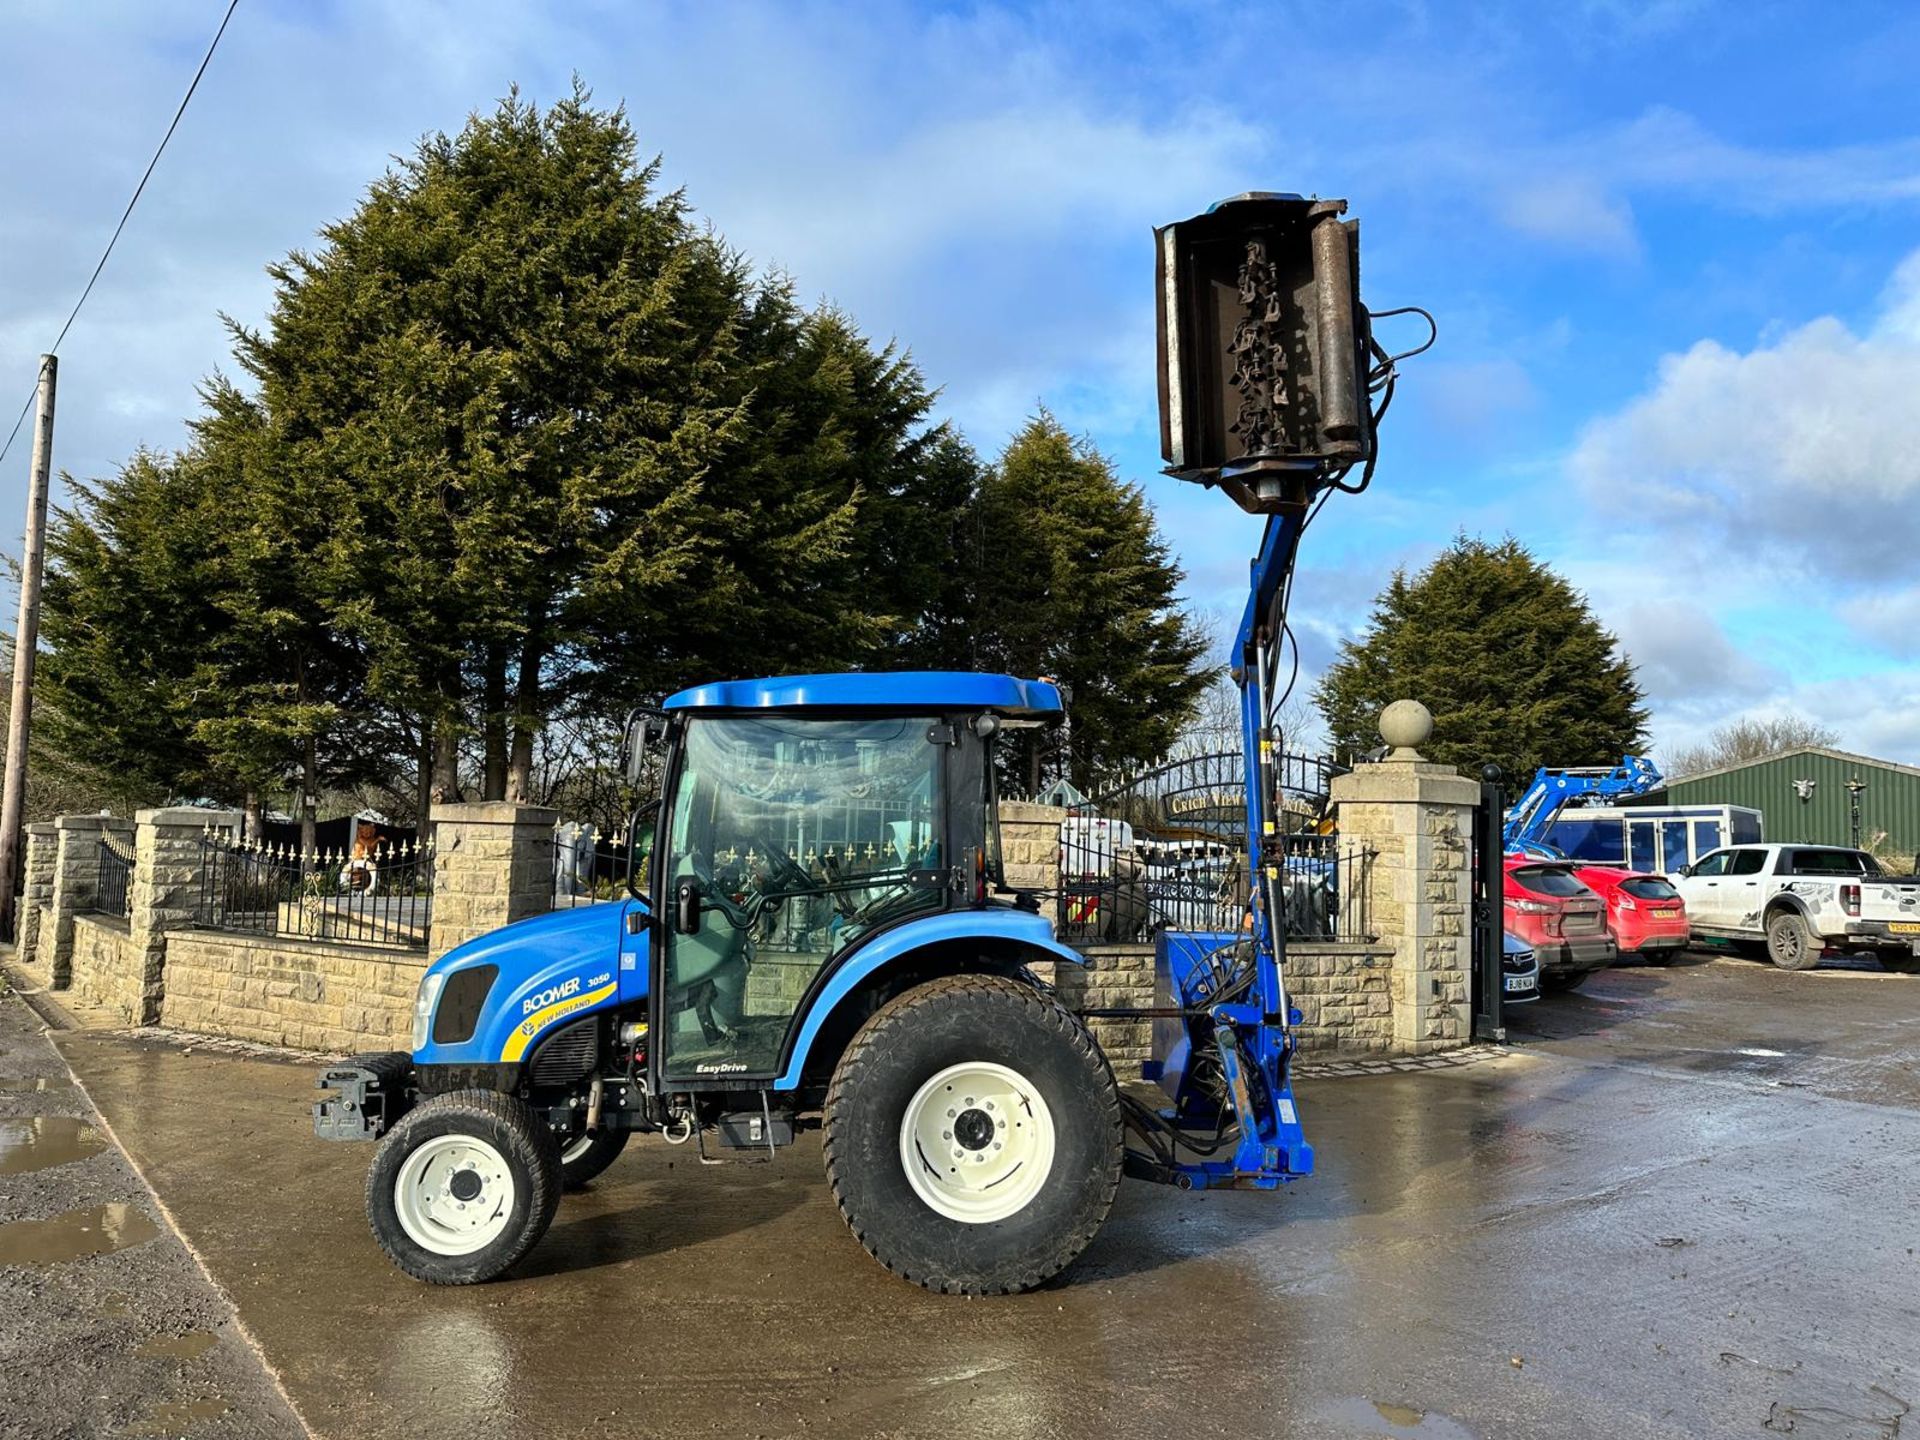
<point x="1115" y="977"/>
<point x="1345" y="996"/>
<point x="107" y="971"/>
<point x="304" y="993"/>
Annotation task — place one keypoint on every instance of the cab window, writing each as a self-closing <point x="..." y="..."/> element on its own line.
<point x="1714" y="864"/>
<point x="1748" y="862"/>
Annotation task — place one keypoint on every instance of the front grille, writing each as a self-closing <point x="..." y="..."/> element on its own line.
<point x="569" y="1055"/>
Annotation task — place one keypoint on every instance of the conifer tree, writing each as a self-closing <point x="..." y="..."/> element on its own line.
<point x="1506" y="654"/>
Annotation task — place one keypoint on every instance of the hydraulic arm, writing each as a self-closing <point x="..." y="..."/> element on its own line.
<point x="1268" y="390"/>
<point x="1530" y="818"/>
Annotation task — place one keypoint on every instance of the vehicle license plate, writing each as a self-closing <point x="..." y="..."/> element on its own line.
<point x="1904" y="927"/>
<point x="1518" y="982"/>
<point x="1670" y="915"/>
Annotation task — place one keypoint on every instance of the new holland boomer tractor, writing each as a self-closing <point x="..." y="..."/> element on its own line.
<point x="822" y="935"/>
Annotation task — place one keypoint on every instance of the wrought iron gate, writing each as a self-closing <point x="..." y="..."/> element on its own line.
<point x="1489" y="898"/>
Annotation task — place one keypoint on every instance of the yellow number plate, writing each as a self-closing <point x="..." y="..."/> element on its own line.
<point x="1904" y="927"/>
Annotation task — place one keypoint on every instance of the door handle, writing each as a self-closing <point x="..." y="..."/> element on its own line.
<point x="686" y="917"/>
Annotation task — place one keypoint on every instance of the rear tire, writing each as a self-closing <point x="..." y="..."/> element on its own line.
<point x="1563" y="981"/>
<point x="1033" y="1116"/>
<point x="1790" y="944"/>
<point x="1901" y="964"/>
<point x="1659" y="957"/>
<point x="585" y="1156"/>
<point x="463" y="1186"/>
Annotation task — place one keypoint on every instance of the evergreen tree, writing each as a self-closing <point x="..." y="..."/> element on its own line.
<point x="1069" y="578"/>
<point x="1506" y="654"/>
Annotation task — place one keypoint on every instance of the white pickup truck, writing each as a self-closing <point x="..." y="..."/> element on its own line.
<point x="1802" y="899"/>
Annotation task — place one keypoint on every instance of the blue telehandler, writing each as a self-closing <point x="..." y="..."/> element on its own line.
<point x="820" y="934"/>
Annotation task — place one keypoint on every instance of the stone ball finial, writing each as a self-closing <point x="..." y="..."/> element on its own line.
<point x="1405" y="726"/>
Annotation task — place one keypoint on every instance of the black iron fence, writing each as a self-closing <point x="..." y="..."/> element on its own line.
<point x="114" y="888"/>
<point x="1166" y="850"/>
<point x="381" y="896"/>
<point x="588" y="866"/>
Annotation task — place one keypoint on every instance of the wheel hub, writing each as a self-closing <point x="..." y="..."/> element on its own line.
<point x="977" y="1142"/>
<point x="454" y="1194"/>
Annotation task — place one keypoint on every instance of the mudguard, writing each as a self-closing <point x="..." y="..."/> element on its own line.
<point x="552" y="968"/>
<point x="1020" y="927"/>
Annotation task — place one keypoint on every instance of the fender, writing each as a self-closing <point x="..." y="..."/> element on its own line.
<point x="553" y="967"/>
<point x="1021" y="927"/>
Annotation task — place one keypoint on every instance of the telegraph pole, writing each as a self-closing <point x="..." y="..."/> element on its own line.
<point x="26" y="640"/>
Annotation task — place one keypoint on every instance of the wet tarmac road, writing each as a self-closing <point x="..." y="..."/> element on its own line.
<point x="1628" y="1228"/>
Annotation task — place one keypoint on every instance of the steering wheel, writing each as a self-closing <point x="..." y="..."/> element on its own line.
<point x="702" y="869"/>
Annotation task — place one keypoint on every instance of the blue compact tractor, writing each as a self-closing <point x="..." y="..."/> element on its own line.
<point x="820" y="934"/>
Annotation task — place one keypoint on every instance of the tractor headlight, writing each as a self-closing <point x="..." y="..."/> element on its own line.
<point x="423" y="1004"/>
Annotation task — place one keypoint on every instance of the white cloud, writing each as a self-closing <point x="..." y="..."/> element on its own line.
<point x="1572" y="213"/>
<point x="1798" y="461"/>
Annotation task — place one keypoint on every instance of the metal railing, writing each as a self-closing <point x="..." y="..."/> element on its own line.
<point x="382" y="896"/>
<point x="114" y="887"/>
<point x="588" y="867"/>
<point x="1166" y="851"/>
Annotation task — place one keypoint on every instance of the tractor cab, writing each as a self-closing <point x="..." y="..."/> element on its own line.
<point x="799" y="819"/>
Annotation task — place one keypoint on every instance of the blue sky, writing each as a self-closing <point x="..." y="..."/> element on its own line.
<point x="1670" y="246"/>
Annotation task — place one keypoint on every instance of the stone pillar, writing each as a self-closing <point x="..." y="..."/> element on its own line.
<point x="1030" y="844"/>
<point x="1418" y="818"/>
<point x="76" y="884"/>
<point x="168" y="859"/>
<point x="492" y="865"/>
<point x="36" y="892"/>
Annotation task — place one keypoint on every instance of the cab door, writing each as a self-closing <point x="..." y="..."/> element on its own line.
<point x="792" y="837"/>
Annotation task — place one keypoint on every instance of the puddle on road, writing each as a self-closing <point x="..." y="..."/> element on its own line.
<point x="170" y="1417"/>
<point x="43" y="1140"/>
<point x="31" y="1084"/>
<point x="1402" y="1422"/>
<point x="179" y="1347"/>
<point x="75" y="1235"/>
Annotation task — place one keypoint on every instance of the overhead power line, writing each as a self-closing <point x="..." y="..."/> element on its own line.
<point x="126" y="214"/>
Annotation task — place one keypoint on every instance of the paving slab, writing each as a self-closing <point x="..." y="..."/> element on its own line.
<point x="108" y="1326"/>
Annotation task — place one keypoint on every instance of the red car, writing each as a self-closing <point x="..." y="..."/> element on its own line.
<point x="1646" y="914"/>
<point x="1564" y="921"/>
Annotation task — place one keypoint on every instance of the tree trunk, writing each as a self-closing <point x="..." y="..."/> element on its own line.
<point x="252" y="825"/>
<point x="494" y="785"/>
<point x="526" y="721"/>
<point x="446" y="750"/>
<point x="309" y="777"/>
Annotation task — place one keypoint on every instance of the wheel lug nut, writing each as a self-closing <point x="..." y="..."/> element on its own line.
<point x="946" y="1134"/>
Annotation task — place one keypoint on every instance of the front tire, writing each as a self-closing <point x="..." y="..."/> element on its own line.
<point x="585" y="1156"/>
<point x="973" y="1136"/>
<point x="1790" y="944"/>
<point x="463" y="1187"/>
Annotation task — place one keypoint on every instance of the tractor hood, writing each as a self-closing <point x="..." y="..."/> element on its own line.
<point x="498" y="993"/>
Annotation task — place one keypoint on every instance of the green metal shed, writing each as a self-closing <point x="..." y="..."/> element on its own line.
<point x="1804" y="796"/>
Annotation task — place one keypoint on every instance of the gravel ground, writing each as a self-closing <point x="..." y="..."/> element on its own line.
<point x="108" y="1325"/>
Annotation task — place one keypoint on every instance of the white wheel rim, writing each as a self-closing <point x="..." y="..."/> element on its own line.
<point x="575" y="1149"/>
<point x="454" y="1195"/>
<point x="977" y="1142"/>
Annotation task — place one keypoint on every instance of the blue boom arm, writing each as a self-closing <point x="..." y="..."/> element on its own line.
<point x="1245" y="1022"/>
<point x="1532" y="815"/>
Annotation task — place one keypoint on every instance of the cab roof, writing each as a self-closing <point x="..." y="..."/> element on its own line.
<point x="928" y="690"/>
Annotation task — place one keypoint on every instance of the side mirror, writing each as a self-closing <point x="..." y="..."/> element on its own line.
<point x="686" y="907"/>
<point x="1685" y="870"/>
